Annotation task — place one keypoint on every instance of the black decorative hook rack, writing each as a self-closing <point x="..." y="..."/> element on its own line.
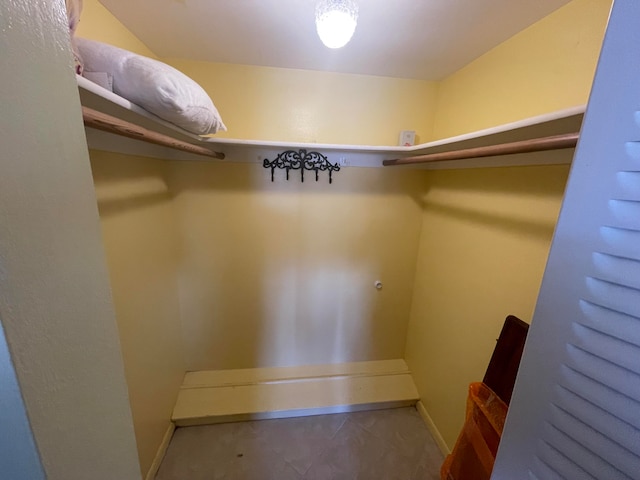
<point x="301" y="160"/>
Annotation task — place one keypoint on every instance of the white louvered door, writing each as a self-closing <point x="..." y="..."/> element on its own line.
<point x="575" y="412"/>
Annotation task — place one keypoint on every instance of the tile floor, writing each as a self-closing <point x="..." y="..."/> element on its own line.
<point x="376" y="445"/>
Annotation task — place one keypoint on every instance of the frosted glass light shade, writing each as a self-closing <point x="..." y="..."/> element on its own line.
<point x="336" y="21"/>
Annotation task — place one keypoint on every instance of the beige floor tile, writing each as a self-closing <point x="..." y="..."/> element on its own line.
<point x="382" y="445"/>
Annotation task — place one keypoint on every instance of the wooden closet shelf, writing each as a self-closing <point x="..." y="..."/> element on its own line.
<point x="556" y="142"/>
<point x="107" y="123"/>
<point x="440" y="153"/>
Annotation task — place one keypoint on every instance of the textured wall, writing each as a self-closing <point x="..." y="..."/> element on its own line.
<point x="55" y="303"/>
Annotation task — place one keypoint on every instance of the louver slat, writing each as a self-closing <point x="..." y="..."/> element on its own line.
<point x="624" y="381"/>
<point x="618" y="459"/>
<point x="578" y="455"/>
<point x="626" y="214"/>
<point x="621" y="242"/>
<point x="610" y="322"/>
<point x="607" y="347"/>
<point x="619" y="270"/>
<point x="621" y="406"/>
<point x="628" y="185"/>
<point x="558" y="459"/>
<point x="632" y="149"/>
<point x="575" y="412"/>
<point x="616" y="297"/>
<point x="602" y="421"/>
<point x="547" y="472"/>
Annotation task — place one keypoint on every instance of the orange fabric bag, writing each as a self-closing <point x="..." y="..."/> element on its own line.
<point x="475" y="450"/>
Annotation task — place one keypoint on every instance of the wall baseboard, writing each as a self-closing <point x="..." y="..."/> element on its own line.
<point x="435" y="433"/>
<point x="162" y="450"/>
<point x="262" y="393"/>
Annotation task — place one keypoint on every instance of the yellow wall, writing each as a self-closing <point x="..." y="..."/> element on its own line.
<point x="262" y="282"/>
<point x="546" y="67"/>
<point x="484" y="244"/>
<point x="141" y="242"/>
<point x="140" y="237"/>
<point x="486" y="232"/>
<point x="266" y="103"/>
<point x="97" y="23"/>
<point x="283" y="273"/>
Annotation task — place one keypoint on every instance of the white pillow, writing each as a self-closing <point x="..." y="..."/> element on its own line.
<point x="74" y="9"/>
<point x="155" y="86"/>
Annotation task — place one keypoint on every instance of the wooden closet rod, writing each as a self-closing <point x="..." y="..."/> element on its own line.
<point x="556" y="142"/>
<point x="102" y="121"/>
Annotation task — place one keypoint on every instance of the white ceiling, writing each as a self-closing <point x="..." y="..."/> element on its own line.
<point x="424" y="39"/>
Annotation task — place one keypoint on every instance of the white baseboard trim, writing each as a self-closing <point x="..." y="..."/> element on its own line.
<point x="162" y="449"/>
<point x="442" y="445"/>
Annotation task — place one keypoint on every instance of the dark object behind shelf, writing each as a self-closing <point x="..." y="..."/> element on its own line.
<point x="475" y="450"/>
<point x="503" y="366"/>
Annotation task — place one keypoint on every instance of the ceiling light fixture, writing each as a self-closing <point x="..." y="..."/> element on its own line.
<point x="336" y="21"/>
